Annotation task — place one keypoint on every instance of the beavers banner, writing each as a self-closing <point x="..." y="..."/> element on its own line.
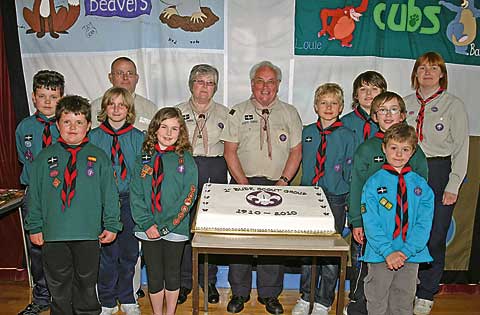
<point x="394" y="29"/>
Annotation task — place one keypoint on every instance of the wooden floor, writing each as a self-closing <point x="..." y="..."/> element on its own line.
<point x="15" y="295"/>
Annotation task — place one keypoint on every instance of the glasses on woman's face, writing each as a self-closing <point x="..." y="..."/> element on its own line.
<point x="392" y="111"/>
<point x="204" y="83"/>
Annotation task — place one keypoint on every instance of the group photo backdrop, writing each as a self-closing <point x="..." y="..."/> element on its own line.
<point x="80" y="39"/>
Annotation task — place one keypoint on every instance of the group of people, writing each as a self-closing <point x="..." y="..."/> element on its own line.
<point x="393" y="166"/>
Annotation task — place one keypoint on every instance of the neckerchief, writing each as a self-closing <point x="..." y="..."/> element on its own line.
<point x="366" y="122"/>
<point x="47" y="135"/>
<point x="70" y="174"/>
<point x="116" y="149"/>
<point x="157" y="177"/>
<point x="421" y="112"/>
<point x="401" y="221"/>
<point x="322" y="149"/>
<point x="379" y="135"/>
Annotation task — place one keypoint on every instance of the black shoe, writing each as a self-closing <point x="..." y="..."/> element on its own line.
<point x="236" y="303"/>
<point x="272" y="305"/>
<point x="34" y="309"/>
<point x="183" y="295"/>
<point x="140" y="293"/>
<point x="213" y="296"/>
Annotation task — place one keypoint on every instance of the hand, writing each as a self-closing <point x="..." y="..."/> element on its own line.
<point x="107" y="237"/>
<point x="281" y="183"/>
<point x="152" y="232"/>
<point x="358" y="235"/>
<point x="37" y="239"/>
<point x="395" y="260"/>
<point x="449" y="198"/>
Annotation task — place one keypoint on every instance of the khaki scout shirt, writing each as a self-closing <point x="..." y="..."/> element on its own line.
<point x="216" y="117"/>
<point x="445" y="132"/>
<point x="243" y="127"/>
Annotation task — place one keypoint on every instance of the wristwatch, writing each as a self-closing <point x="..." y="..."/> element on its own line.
<point x="285" y="179"/>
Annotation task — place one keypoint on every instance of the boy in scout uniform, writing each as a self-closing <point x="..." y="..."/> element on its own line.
<point x="397" y="211"/>
<point x="205" y="120"/>
<point x="388" y="108"/>
<point x="34" y="133"/>
<point x="262" y="147"/>
<point x="327" y="152"/>
<point x="73" y="204"/>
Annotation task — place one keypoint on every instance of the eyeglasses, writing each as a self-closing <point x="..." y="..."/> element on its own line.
<point x="204" y="83"/>
<point x="261" y="82"/>
<point x="384" y="111"/>
<point x="129" y="74"/>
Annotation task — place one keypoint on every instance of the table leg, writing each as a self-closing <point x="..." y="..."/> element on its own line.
<point x="313" y="282"/>
<point x="195" y="301"/>
<point x="205" y="282"/>
<point x="341" y="285"/>
<point x="25" y="248"/>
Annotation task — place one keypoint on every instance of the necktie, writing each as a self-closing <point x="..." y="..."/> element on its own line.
<point x="116" y="149"/>
<point x="265" y="132"/>
<point x="401" y="212"/>
<point x="322" y="149"/>
<point x="421" y="112"/>
<point x="157" y="177"/>
<point x="70" y="174"/>
<point x="366" y="124"/>
<point x="201" y="132"/>
<point x="46" y="136"/>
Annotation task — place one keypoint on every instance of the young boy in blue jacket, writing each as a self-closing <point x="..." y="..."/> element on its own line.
<point x="397" y="213"/>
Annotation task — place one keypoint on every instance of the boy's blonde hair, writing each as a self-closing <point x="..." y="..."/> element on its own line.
<point x="386" y="96"/>
<point x="182" y="144"/>
<point x="329" y="88"/>
<point x="430" y="58"/>
<point x="401" y="132"/>
<point x="367" y="78"/>
<point x="127" y="102"/>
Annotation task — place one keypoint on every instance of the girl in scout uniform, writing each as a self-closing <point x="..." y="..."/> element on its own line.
<point x="163" y="189"/>
<point x="441" y="123"/>
<point x="123" y="143"/>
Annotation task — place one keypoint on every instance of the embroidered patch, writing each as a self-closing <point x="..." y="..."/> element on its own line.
<point x="434" y="109"/>
<point x="221" y="125"/>
<point x="146" y="169"/>
<point x="248" y="117"/>
<point x="411" y="112"/>
<point x="417" y="191"/>
<point x="176" y="221"/>
<point x="349" y="161"/>
<point x="186" y="116"/>
<point x="90" y="171"/>
<point x="384" y="202"/>
<point x="28" y="144"/>
<point x="337" y="167"/>
<point x="28" y="155"/>
<point x="52" y="160"/>
<point x="92" y="158"/>
<point x="283" y="137"/>
<point x="381" y="190"/>
<point x="28" y="138"/>
<point x="363" y="208"/>
<point x="53" y="173"/>
<point x="183" y="209"/>
<point x="164" y="231"/>
<point x="51" y="166"/>
<point x="56" y="182"/>
<point x="378" y="159"/>
<point x="231" y="112"/>
<point x="439" y="126"/>
<point x="308" y="139"/>
<point x="146" y="158"/>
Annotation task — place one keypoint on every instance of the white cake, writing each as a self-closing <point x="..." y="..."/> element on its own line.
<point x="263" y="209"/>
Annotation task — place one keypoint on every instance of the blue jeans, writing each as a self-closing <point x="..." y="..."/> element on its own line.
<point x="327" y="268"/>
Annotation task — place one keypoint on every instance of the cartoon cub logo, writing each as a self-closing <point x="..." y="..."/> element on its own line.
<point x="44" y="18"/>
<point x="462" y="30"/>
<point x="342" y="23"/>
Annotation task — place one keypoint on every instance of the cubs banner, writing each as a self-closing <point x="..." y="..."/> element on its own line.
<point x="394" y="29"/>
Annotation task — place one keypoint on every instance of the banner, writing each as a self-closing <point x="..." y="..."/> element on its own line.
<point x="394" y="29"/>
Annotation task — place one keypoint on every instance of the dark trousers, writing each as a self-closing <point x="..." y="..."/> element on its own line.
<point x="431" y="274"/>
<point x="117" y="262"/>
<point x="40" y="294"/>
<point x="71" y="270"/>
<point x="269" y="269"/>
<point x="213" y="170"/>
<point x="358" y="302"/>
<point x="327" y="268"/>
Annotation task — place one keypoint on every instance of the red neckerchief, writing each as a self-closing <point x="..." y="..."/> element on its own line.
<point x="157" y="177"/>
<point x="116" y="149"/>
<point x="322" y="149"/>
